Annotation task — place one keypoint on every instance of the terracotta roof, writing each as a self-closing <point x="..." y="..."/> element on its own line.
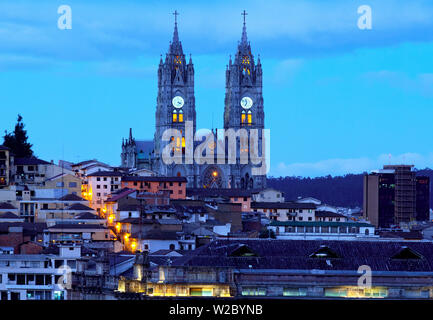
<point x="154" y="179"/>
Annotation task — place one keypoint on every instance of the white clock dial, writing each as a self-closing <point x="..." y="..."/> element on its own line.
<point x="178" y="102"/>
<point x="246" y="102"/>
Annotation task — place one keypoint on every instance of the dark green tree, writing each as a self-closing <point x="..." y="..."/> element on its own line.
<point x="17" y="140"/>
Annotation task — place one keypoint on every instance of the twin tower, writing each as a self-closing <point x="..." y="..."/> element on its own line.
<point x="176" y="107"/>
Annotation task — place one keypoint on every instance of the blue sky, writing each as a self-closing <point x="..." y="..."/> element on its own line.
<point x="337" y="99"/>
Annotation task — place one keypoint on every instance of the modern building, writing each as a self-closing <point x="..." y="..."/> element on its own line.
<point x="37" y="276"/>
<point x="390" y="196"/>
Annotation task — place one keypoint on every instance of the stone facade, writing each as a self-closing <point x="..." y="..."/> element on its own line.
<point x="176" y="108"/>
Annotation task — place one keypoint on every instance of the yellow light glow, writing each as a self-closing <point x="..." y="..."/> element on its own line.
<point x="111" y="218"/>
<point x="215" y="173"/>
<point x="133" y="245"/>
<point x="118" y="226"/>
<point x="126" y="237"/>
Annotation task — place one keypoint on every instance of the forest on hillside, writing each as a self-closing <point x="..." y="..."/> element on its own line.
<point x="345" y="191"/>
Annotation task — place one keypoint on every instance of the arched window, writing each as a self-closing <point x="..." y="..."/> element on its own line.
<point x="243" y="117"/>
<point x="174" y="116"/>
<point x="249" y="117"/>
<point x="180" y="116"/>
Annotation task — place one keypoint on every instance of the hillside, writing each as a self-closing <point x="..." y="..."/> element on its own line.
<point x="343" y="191"/>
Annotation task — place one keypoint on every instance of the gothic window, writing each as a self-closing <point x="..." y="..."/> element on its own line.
<point x="183" y="145"/>
<point x="246" y="60"/>
<point x="212" y="178"/>
<point x="175" y="116"/>
<point x="180" y="116"/>
<point x="243" y="117"/>
<point x="177" y="60"/>
<point x="249" y="117"/>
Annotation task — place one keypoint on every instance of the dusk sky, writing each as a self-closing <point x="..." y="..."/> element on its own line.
<point x="337" y="99"/>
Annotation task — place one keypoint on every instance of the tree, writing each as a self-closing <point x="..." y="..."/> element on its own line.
<point x="17" y="140"/>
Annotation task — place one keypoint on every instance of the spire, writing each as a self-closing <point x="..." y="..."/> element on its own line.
<point x="175" y="33"/>
<point x="244" y="40"/>
<point x="175" y="44"/>
<point x="130" y="134"/>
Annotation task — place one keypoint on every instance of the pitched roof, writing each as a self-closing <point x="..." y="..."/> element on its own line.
<point x="8" y="215"/>
<point x="330" y="214"/>
<point x="5" y="205"/>
<point x="105" y="174"/>
<point x="79" y="207"/>
<point x="2" y="147"/>
<point x="154" y="179"/>
<point x="29" y="161"/>
<point x="156" y="235"/>
<point x="71" y="197"/>
<point x="308" y="255"/>
<point x="320" y="224"/>
<point x="144" y="146"/>
<point x="77" y="226"/>
<point x="119" y="195"/>
<point x="282" y="205"/>
<point x="86" y="216"/>
<point x="223" y="192"/>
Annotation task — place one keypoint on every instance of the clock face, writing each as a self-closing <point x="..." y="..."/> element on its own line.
<point x="177" y="102"/>
<point x="246" y="102"/>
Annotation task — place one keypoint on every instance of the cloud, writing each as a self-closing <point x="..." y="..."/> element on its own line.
<point x="286" y="30"/>
<point x="341" y="166"/>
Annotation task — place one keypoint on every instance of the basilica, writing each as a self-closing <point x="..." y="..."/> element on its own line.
<point x="175" y="107"/>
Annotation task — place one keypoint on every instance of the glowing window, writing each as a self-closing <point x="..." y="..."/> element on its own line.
<point x="180" y="116"/>
<point x="183" y="142"/>
<point x="174" y="116"/>
<point x="249" y="118"/>
<point x="243" y="117"/>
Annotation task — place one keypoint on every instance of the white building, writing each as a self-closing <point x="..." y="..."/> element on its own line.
<point x="37" y="276"/>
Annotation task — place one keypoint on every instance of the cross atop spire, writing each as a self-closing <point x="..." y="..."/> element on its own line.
<point x="244" y="40"/>
<point x="175" y="13"/>
<point x="175" y="46"/>
<point x="244" y="14"/>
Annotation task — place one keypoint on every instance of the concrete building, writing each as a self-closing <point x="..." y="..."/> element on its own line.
<point x="390" y="196"/>
<point x="37" y="276"/>
<point x="288" y="269"/>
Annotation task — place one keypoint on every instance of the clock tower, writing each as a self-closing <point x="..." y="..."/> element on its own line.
<point x="175" y="103"/>
<point x="244" y="107"/>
